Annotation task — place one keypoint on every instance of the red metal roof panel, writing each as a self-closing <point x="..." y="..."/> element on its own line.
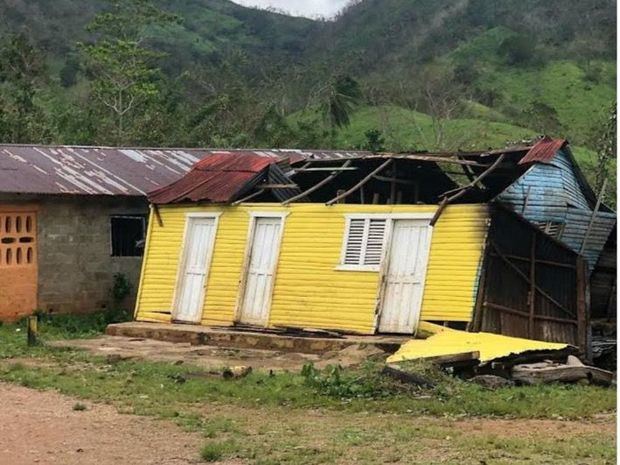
<point x="543" y="151"/>
<point x="219" y="178"/>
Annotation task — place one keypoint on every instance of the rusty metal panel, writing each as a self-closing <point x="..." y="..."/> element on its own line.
<point x="218" y="178"/>
<point x="32" y="169"/>
<point x="543" y="151"/>
<point x="78" y="170"/>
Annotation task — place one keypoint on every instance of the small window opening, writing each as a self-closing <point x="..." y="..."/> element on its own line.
<point x="364" y="242"/>
<point x="551" y="228"/>
<point x="128" y="234"/>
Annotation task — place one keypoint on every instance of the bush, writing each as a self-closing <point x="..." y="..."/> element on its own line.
<point x="365" y="383"/>
<point x="215" y="451"/>
<point x="518" y="49"/>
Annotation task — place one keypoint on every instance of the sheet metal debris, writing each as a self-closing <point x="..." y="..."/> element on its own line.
<point x="446" y="342"/>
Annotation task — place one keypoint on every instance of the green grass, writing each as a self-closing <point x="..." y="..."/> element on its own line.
<point x="159" y="388"/>
<point x="214" y="451"/>
<point x="329" y="416"/>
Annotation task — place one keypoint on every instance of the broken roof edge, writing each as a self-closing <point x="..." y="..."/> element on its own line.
<point x="490" y="346"/>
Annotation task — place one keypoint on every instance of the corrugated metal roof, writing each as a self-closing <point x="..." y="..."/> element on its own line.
<point x="218" y="178"/>
<point x="34" y="169"/>
<point x="80" y="170"/>
<point x="543" y="151"/>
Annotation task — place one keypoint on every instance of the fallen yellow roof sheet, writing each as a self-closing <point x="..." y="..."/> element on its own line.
<point x="445" y="341"/>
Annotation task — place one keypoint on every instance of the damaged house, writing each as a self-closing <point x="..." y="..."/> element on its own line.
<point x="377" y="243"/>
<point x="71" y="218"/>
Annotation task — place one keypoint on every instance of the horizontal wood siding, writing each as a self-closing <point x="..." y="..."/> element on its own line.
<point x="309" y="291"/>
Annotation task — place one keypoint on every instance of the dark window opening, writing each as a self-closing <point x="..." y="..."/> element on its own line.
<point x="128" y="233"/>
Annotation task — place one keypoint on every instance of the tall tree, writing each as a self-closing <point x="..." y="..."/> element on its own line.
<point x="606" y="146"/>
<point x="338" y="98"/>
<point x="22" y="75"/>
<point x="124" y="71"/>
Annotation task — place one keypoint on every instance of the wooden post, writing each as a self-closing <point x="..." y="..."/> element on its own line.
<point x="593" y="218"/>
<point x="33" y="331"/>
<point x="480" y="308"/>
<point x="530" y="326"/>
<point x="377" y="170"/>
<point x="393" y="185"/>
<point x="340" y="192"/>
<point x="582" y="306"/>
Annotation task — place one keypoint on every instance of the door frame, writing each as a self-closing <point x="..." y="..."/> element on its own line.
<point x="247" y="256"/>
<point x="385" y="261"/>
<point x="183" y="259"/>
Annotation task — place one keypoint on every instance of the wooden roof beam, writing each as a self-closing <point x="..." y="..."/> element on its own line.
<point x="458" y="193"/>
<point x="317" y="186"/>
<point x="361" y="183"/>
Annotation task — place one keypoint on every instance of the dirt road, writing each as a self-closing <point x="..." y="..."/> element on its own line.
<point x="43" y="428"/>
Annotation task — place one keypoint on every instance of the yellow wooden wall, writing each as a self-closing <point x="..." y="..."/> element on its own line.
<point x="309" y="291"/>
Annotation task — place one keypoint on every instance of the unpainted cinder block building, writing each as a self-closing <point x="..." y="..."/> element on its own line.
<point x="71" y="218"/>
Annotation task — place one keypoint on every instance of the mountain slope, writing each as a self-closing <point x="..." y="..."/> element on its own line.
<point x="535" y="65"/>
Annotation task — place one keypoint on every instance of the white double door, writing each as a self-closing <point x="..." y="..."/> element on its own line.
<point x="197" y="251"/>
<point x="404" y="276"/>
<point x="261" y="267"/>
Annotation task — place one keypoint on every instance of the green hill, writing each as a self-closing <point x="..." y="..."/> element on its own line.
<point x="514" y="69"/>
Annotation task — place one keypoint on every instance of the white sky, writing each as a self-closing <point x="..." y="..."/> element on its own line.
<point x="309" y="8"/>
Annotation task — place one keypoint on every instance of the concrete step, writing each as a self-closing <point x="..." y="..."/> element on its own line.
<point x="234" y="338"/>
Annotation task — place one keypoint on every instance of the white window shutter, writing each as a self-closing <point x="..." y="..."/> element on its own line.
<point x="355" y="242"/>
<point x="365" y="241"/>
<point x="375" y="241"/>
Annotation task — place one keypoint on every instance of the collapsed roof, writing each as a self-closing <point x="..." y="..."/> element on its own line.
<point x="236" y="176"/>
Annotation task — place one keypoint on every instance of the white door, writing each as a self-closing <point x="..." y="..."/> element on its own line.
<point x="264" y="247"/>
<point x="404" y="277"/>
<point x="197" y="252"/>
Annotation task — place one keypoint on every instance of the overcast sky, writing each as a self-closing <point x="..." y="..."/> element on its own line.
<point x="310" y="8"/>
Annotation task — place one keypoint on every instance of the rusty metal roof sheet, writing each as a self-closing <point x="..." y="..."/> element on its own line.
<point x="218" y="178"/>
<point x="79" y="170"/>
<point x="543" y="151"/>
<point x="34" y="169"/>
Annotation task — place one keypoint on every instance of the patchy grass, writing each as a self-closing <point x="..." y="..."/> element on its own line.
<point x="79" y="407"/>
<point x="329" y="416"/>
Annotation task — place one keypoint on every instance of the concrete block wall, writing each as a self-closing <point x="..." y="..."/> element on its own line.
<point x="76" y="266"/>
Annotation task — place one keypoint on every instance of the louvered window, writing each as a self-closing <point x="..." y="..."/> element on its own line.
<point x="552" y="228"/>
<point x="364" y="242"/>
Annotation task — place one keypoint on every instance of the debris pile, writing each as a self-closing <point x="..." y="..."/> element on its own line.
<point x="493" y="360"/>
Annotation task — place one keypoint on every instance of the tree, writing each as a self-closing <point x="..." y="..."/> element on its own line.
<point x="125" y="75"/>
<point x="339" y="97"/>
<point x="543" y="118"/>
<point x="517" y="49"/>
<point x="606" y="149"/>
<point x="375" y="142"/>
<point x="22" y="75"/>
<point x="440" y="97"/>
<point x="272" y="130"/>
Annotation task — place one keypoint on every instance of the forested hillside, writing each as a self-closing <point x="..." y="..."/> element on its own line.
<point x="385" y="74"/>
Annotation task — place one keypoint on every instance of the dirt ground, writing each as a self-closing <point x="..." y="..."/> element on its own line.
<point x="43" y="428"/>
<point x="210" y="357"/>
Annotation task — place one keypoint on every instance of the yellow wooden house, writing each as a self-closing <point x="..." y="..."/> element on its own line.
<point x="348" y="242"/>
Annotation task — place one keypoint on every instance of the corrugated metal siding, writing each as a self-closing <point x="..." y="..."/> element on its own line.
<point x="309" y="291"/>
<point x="577" y="222"/>
<point x="549" y="188"/>
<point x="555" y="195"/>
